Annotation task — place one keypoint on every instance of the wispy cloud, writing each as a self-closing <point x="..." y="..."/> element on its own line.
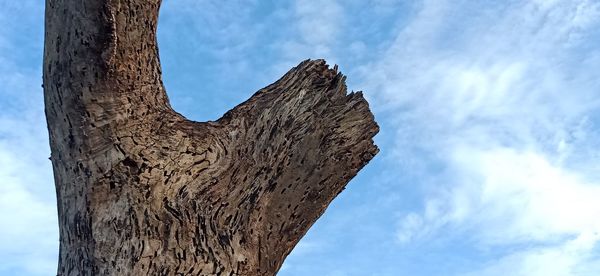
<point x="503" y="99"/>
<point x="318" y="28"/>
<point x="29" y="235"/>
<point x="570" y="258"/>
<point x="29" y="232"/>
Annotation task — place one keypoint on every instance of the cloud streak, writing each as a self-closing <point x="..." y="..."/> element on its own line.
<point x="504" y="100"/>
<point x="29" y="232"/>
<point x="29" y="235"/>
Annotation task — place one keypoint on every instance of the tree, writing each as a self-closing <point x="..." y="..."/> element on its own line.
<point x="143" y="191"/>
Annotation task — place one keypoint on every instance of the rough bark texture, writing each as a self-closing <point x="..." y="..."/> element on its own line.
<point x="143" y="191"/>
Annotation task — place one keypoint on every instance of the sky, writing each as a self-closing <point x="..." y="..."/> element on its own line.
<point x="489" y="114"/>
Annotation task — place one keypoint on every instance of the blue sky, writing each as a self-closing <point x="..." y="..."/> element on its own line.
<point x="489" y="115"/>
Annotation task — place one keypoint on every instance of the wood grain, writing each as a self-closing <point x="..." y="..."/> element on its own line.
<point x="143" y="191"/>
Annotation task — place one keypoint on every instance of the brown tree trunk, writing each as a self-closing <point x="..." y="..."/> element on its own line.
<point x="143" y="191"/>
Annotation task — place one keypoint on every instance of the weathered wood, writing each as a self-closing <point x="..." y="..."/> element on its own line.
<point x="143" y="191"/>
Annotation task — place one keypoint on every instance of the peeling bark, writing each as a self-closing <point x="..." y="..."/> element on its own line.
<point x="143" y="191"/>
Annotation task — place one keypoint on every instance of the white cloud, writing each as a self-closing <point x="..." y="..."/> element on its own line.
<point x="29" y="232"/>
<point x="511" y="196"/>
<point x="29" y="235"/>
<point x="317" y="26"/>
<point x="504" y="99"/>
<point x="566" y="259"/>
<point x="318" y="23"/>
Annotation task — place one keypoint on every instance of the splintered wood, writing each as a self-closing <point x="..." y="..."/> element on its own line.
<point x="144" y="191"/>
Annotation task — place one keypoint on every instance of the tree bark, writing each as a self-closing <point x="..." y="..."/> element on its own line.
<point x="143" y="191"/>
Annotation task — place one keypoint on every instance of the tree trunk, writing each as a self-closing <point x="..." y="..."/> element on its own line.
<point x="143" y="191"/>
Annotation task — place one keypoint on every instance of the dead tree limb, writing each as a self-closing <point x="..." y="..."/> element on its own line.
<point x="143" y="191"/>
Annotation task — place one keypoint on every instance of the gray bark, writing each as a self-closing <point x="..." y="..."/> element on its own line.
<point x="143" y="191"/>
